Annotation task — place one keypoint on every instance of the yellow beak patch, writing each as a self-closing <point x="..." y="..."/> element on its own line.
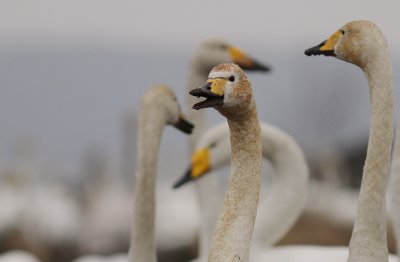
<point x="200" y="162"/>
<point x="331" y="42"/>
<point x="239" y="57"/>
<point x="217" y="85"/>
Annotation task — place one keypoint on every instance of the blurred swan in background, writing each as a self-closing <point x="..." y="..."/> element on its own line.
<point x="289" y="184"/>
<point x="18" y="256"/>
<point x="159" y="107"/>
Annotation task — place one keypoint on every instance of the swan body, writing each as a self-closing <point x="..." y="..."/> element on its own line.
<point x="229" y="91"/>
<point x="159" y="107"/>
<point x="289" y="183"/>
<point x="18" y="256"/>
<point x="207" y="55"/>
<point x="310" y="253"/>
<point x="363" y="44"/>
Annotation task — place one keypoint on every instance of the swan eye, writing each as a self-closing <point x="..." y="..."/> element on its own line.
<point x="213" y="145"/>
<point x="342" y="31"/>
<point x="223" y="46"/>
<point x="232" y="78"/>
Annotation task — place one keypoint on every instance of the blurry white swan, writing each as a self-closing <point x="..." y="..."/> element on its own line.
<point x="18" y="256"/>
<point x="289" y="185"/>
<point x="159" y="107"/>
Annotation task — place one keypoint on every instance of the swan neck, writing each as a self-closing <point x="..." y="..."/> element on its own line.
<point x="232" y="237"/>
<point x="289" y="186"/>
<point x="142" y="246"/>
<point x="368" y="242"/>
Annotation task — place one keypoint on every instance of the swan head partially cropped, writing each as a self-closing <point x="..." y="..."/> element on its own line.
<point x="163" y="99"/>
<point x="213" y="151"/>
<point x="215" y="51"/>
<point x="227" y="88"/>
<point x="357" y="42"/>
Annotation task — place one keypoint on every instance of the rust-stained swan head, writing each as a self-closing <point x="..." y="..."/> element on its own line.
<point x="227" y="89"/>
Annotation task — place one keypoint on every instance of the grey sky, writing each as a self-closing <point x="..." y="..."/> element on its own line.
<point x="70" y="69"/>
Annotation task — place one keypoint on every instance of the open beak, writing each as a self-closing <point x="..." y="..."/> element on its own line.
<point x="245" y="62"/>
<point x="184" y="125"/>
<point x="212" y="99"/>
<point x="327" y="47"/>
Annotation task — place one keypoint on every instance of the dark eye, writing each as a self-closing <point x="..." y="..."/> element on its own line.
<point x="232" y="78"/>
<point x="213" y="145"/>
<point x="223" y="46"/>
<point x="341" y="31"/>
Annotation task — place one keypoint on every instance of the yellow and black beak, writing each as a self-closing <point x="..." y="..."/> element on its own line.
<point x="200" y="166"/>
<point x="245" y="62"/>
<point x="213" y="91"/>
<point x="184" y="125"/>
<point x="327" y="47"/>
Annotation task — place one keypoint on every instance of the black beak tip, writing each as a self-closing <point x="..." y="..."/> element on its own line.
<point x="184" y="179"/>
<point x="184" y="126"/>
<point x="195" y="92"/>
<point x="263" y="68"/>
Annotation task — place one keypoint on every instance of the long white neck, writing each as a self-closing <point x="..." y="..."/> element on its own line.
<point x="368" y="241"/>
<point x="286" y="197"/>
<point x="207" y="188"/>
<point x="232" y="237"/>
<point x="142" y="246"/>
<point x="395" y="189"/>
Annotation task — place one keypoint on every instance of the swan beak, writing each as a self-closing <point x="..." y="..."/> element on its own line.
<point x="327" y="47"/>
<point x="200" y="166"/>
<point x="245" y="62"/>
<point x="213" y="91"/>
<point x="184" y="125"/>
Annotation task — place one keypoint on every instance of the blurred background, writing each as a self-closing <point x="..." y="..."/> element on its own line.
<point x="72" y="74"/>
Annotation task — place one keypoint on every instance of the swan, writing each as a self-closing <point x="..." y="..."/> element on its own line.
<point x="363" y="44"/>
<point x="229" y="91"/>
<point x="207" y="55"/>
<point x="289" y="183"/>
<point x="159" y="107"/>
<point x="18" y="256"/>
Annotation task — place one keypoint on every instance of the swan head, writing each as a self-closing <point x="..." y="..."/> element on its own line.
<point x="227" y="90"/>
<point x="215" y="51"/>
<point x="213" y="151"/>
<point x="164" y="100"/>
<point x="357" y="42"/>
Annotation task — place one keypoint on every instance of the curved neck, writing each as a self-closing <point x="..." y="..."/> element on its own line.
<point x="286" y="197"/>
<point x="142" y="246"/>
<point x="232" y="237"/>
<point x="368" y="241"/>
